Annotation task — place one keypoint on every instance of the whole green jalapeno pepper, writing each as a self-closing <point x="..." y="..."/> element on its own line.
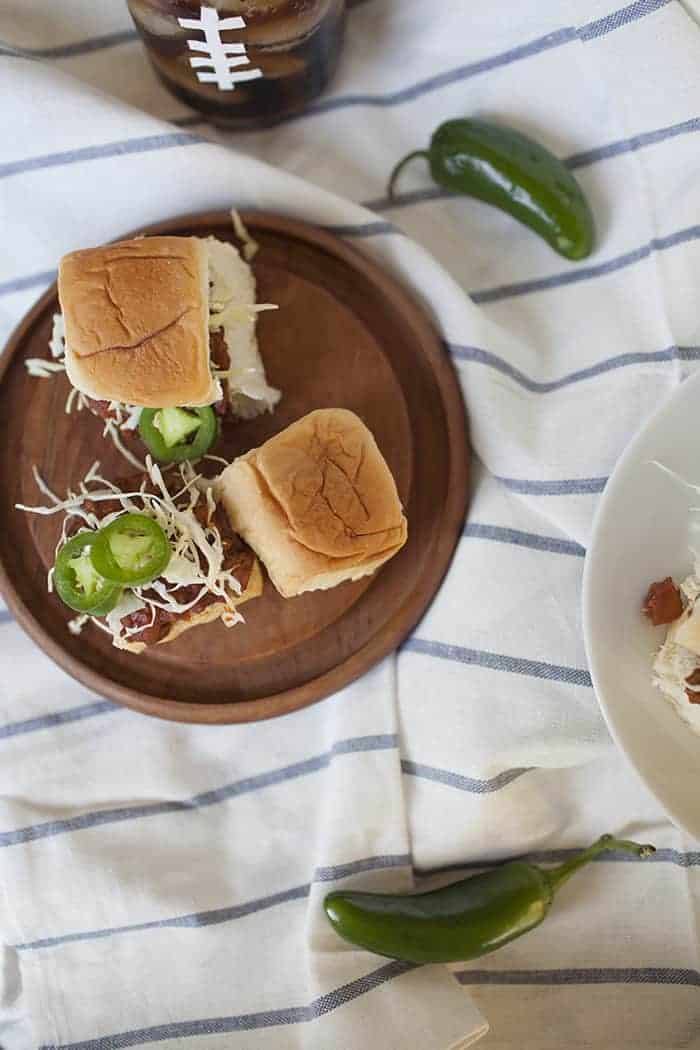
<point x="513" y="172"/>
<point x="462" y="921"/>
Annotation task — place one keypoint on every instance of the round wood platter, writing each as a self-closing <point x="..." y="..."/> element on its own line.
<point x="345" y="335"/>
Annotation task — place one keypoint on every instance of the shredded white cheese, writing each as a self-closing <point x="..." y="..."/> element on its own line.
<point x="57" y="342"/>
<point x="70" y="399"/>
<point x="233" y="311"/>
<point x="133" y="414"/>
<point x="76" y="625"/>
<point x="40" y="368"/>
<point x="250" y="246"/>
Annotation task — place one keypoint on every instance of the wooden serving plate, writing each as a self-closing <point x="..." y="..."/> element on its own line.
<point x="346" y="335"/>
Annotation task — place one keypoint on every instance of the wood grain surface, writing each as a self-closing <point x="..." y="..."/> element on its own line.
<point x="346" y="335"/>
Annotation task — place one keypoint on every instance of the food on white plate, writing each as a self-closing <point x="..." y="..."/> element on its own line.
<point x="166" y="324"/>
<point x="676" y="668"/>
<point x="317" y="503"/>
<point x="148" y="557"/>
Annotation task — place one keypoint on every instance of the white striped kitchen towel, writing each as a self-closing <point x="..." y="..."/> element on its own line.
<point x="161" y="884"/>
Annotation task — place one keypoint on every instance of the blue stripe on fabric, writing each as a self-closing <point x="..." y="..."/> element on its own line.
<point x="619" y="18"/>
<point x="457" y="780"/>
<point x="355" y="867"/>
<point x="681" y="859"/>
<point x="407" y="94"/>
<point x="541" y="284"/>
<point x="97" y="818"/>
<point x="80" y="47"/>
<point x="559" y="487"/>
<point x="688" y="859"/>
<point x="557" y="38"/>
<point x="245" y="1022"/>
<point x="87" y="46"/>
<point x="485" y="357"/>
<point x="34" y="280"/>
<point x="193" y="920"/>
<point x="108" y="149"/>
<point x="585" y="273"/>
<point x="632" y="144"/>
<point x="340" y="871"/>
<point x="46" y="277"/>
<point x="57" y="718"/>
<point x="588" y="975"/>
<point x="363" y="229"/>
<point x="574" y="161"/>
<point x="404" y="200"/>
<point x="499" y="534"/>
<point x="498" y="661"/>
<point x="188" y="120"/>
<point x="434" y="83"/>
<point x="237" y="911"/>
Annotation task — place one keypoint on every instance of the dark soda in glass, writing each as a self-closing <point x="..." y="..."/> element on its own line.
<point x="242" y="63"/>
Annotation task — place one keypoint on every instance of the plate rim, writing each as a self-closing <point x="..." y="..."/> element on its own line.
<point x="392" y="633"/>
<point x="612" y="722"/>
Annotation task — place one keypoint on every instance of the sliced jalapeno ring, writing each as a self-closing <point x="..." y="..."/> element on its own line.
<point x="173" y="435"/>
<point x="133" y="549"/>
<point x="78" y="584"/>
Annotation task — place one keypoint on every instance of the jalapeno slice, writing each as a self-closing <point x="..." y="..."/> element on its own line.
<point x="173" y="435"/>
<point x="133" y="549"/>
<point x="78" y="584"/>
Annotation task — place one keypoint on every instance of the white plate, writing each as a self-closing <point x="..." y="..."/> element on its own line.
<point x="641" y="534"/>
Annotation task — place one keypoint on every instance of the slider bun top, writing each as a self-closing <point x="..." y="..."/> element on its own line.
<point x="136" y="316"/>
<point x="317" y="503"/>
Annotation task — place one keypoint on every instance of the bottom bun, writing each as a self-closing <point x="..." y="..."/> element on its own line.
<point x="323" y="581"/>
<point x="208" y="615"/>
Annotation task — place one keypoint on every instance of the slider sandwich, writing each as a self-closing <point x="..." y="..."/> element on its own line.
<point x="317" y="503"/>
<point x="149" y="557"/>
<point x="159" y="333"/>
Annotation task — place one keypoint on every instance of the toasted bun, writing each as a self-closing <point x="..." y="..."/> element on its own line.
<point x="136" y="316"/>
<point x="317" y="503"/>
<point x="212" y="612"/>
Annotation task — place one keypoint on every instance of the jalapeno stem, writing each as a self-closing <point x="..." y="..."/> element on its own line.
<point x="557" y="876"/>
<point x="401" y="165"/>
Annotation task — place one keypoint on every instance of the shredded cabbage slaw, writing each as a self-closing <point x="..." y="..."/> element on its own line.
<point x="197" y="558"/>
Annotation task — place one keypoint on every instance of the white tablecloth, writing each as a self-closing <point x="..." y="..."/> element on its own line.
<point x="162" y="883"/>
